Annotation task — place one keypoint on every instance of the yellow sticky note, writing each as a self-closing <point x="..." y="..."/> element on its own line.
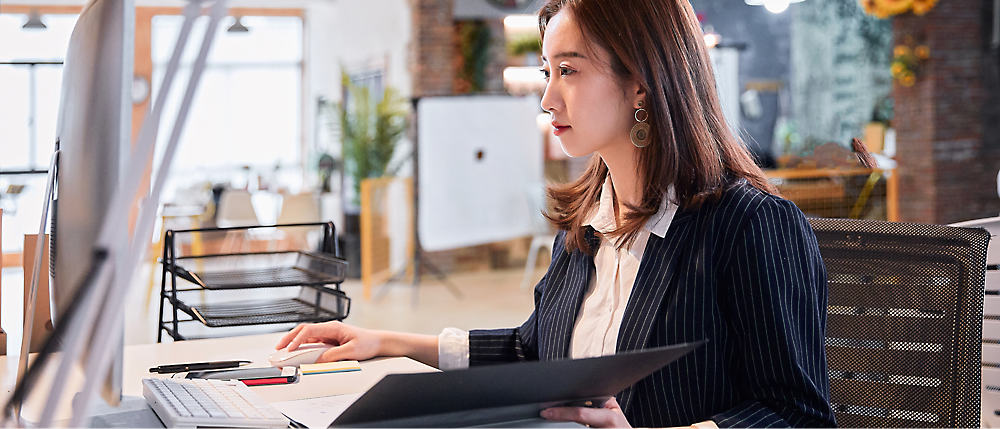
<point x="328" y="367"/>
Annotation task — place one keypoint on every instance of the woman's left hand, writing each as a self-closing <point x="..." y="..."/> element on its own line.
<point x="608" y="416"/>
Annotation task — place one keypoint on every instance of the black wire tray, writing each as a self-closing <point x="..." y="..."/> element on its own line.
<point x="242" y="313"/>
<point x="256" y="270"/>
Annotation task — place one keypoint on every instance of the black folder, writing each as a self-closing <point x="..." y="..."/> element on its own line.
<point x="494" y="394"/>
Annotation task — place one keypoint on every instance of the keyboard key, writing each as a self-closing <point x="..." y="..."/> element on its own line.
<point x="209" y="403"/>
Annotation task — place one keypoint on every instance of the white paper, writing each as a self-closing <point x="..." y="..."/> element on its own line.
<point x="317" y="413"/>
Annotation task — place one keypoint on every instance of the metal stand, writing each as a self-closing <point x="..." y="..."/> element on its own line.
<point x="418" y="253"/>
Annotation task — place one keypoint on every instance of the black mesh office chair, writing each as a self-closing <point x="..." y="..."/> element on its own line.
<point x="905" y="320"/>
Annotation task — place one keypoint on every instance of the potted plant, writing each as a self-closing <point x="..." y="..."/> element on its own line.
<point x="370" y="130"/>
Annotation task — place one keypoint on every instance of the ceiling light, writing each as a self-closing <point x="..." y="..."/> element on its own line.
<point x="711" y="39"/>
<point x="518" y="22"/>
<point x="774" y="6"/>
<point x="238" y="27"/>
<point x="34" y="21"/>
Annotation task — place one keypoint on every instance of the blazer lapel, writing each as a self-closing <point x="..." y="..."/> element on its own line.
<point x="559" y="317"/>
<point x="656" y="271"/>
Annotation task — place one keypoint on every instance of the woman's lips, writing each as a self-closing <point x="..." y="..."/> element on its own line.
<point x="559" y="129"/>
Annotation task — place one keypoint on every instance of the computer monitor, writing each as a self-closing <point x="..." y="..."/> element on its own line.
<point x="94" y="134"/>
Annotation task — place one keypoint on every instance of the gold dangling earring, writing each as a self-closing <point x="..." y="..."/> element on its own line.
<point x="640" y="132"/>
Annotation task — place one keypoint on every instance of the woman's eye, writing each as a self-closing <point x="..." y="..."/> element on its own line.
<point x="545" y="73"/>
<point x="563" y="71"/>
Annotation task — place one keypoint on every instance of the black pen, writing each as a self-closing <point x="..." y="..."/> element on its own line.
<point x="197" y="366"/>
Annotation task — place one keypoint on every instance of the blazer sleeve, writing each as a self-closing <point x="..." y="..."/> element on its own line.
<point x="774" y="295"/>
<point x="492" y="346"/>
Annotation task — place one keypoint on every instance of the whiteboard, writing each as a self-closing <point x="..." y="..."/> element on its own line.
<point x="478" y="157"/>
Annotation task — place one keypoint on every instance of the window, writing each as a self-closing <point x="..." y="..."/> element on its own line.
<point x="247" y="110"/>
<point x="28" y="114"/>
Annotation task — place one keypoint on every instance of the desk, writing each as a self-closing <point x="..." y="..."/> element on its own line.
<point x="139" y="358"/>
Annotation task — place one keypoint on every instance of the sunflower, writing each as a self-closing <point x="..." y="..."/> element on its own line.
<point x="897" y="69"/>
<point x="892" y="7"/>
<point x="901" y="51"/>
<point x="923" y="52"/>
<point x="907" y="79"/>
<point x="921" y="7"/>
<point x="869" y="6"/>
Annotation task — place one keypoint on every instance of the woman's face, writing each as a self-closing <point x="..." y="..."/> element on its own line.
<point x="590" y="112"/>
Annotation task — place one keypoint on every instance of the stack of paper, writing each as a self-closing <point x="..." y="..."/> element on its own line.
<point x="325" y="368"/>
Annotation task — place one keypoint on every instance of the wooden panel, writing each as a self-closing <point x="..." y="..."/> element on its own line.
<point x="816" y="173"/>
<point x="233" y="11"/>
<point x="44" y="10"/>
<point x="3" y="335"/>
<point x="12" y="260"/>
<point x="378" y="210"/>
<point x="42" y="322"/>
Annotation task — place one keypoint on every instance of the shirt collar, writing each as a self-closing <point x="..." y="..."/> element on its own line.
<point x="603" y="218"/>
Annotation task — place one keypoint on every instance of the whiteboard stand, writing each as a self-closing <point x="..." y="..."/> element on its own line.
<point x="418" y="252"/>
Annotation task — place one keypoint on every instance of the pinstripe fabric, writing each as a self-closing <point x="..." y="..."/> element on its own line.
<point x="744" y="272"/>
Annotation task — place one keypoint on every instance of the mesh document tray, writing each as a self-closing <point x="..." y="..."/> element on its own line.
<point x="336" y="306"/>
<point x="252" y="270"/>
<point x="904" y="322"/>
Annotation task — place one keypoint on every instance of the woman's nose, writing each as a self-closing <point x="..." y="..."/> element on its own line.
<point x="550" y="99"/>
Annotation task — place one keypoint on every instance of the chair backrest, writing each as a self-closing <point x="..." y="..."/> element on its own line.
<point x="991" y="324"/>
<point x="299" y="208"/>
<point x="904" y="322"/>
<point x="235" y="209"/>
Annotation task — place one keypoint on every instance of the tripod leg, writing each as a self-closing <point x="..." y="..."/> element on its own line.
<point x="438" y="274"/>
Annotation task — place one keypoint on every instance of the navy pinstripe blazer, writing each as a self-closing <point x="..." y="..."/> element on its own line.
<point x="744" y="272"/>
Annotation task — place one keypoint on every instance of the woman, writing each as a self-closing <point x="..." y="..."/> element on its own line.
<point x="672" y="235"/>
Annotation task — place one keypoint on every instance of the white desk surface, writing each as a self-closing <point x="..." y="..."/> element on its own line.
<point x="256" y="348"/>
<point x="139" y="358"/>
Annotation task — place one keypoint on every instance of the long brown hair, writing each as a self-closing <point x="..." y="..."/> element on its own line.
<point x="658" y="43"/>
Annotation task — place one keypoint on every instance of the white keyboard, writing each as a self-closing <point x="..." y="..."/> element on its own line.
<point x="182" y="403"/>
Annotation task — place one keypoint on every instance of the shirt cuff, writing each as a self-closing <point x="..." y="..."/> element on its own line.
<point x="453" y="349"/>
<point x="707" y="424"/>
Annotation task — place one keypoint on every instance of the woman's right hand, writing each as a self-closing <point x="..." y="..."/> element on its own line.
<point x="349" y="342"/>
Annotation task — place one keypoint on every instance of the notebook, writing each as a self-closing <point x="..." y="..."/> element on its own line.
<point x="495" y="394"/>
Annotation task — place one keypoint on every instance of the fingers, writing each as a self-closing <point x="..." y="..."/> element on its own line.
<point x="612" y="404"/>
<point x="593" y="417"/>
<point x="338" y="353"/>
<point x="287" y="338"/>
<point x="303" y="336"/>
<point x="332" y="332"/>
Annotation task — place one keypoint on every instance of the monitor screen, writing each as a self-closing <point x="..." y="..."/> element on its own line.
<point x="94" y="133"/>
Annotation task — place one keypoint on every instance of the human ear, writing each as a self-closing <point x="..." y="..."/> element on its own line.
<point x="636" y="94"/>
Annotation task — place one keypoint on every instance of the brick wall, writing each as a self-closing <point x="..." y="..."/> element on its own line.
<point x="498" y="58"/>
<point x="947" y="163"/>
<point x="434" y="66"/>
<point x="433" y="26"/>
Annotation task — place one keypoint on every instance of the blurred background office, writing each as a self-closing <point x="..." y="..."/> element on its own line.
<point x="399" y="119"/>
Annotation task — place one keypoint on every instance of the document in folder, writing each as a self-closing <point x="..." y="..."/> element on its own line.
<point x="493" y="394"/>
